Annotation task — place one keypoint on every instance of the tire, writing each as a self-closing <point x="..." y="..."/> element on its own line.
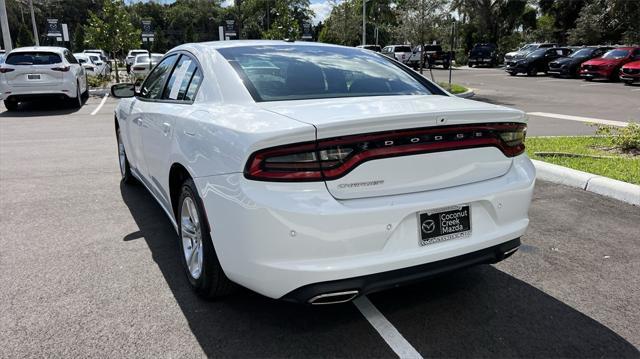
<point x="11" y="105"/>
<point x="470" y="65"/>
<point x="76" y="102"/>
<point x="123" y="162"/>
<point x="201" y="264"/>
<point x="511" y="73"/>
<point x="589" y="79"/>
<point x="628" y="83"/>
<point x="532" y="72"/>
<point x="85" y="94"/>
<point x="445" y="66"/>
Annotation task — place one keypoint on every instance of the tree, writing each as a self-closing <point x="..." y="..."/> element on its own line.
<point x="607" y="21"/>
<point x="112" y="30"/>
<point x="285" y="25"/>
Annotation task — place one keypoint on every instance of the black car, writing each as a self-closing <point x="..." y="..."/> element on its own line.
<point x="483" y="54"/>
<point x="569" y="66"/>
<point x="536" y="61"/>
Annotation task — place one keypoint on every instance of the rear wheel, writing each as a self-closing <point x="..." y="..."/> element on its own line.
<point x="11" y="105"/>
<point x="445" y="66"/>
<point x="198" y="255"/>
<point x="77" y="101"/>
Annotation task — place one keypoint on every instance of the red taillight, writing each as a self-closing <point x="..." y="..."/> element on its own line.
<point x="4" y="70"/>
<point x="330" y="159"/>
<point x="61" y="68"/>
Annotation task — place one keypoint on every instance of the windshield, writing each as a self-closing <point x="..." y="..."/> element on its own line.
<point x="537" y="53"/>
<point x="616" y="54"/>
<point x="583" y="53"/>
<point x="529" y="47"/>
<point x="33" y="58"/>
<point x="281" y="72"/>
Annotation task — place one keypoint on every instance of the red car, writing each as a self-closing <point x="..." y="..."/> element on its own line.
<point x="608" y="66"/>
<point x="630" y="72"/>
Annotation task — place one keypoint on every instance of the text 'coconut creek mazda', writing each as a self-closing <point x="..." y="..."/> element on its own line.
<point x="316" y="173"/>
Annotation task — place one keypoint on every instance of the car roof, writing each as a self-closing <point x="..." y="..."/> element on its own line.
<point x="56" y="49"/>
<point x="626" y="48"/>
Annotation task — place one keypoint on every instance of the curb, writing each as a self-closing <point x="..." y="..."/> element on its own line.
<point x="467" y="94"/>
<point x="605" y="186"/>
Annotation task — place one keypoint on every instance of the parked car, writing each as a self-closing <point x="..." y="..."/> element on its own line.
<point x="269" y="187"/>
<point x="142" y="65"/>
<point x="401" y="53"/>
<point x="483" y="54"/>
<point x="92" y="64"/>
<point x="41" y="71"/>
<point x="568" y="66"/>
<point x="131" y="56"/>
<point x="433" y="55"/>
<point x="375" y="48"/>
<point x="630" y="72"/>
<point x="526" y="49"/>
<point x="104" y="57"/>
<point x="608" y="66"/>
<point x="537" y="61"/>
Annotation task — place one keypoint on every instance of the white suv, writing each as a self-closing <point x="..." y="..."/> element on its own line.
<point x="41" y="71"/>
<point x="131" y="56"/>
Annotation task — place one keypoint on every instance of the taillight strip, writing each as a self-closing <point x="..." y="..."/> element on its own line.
<point x="366" y="147"/>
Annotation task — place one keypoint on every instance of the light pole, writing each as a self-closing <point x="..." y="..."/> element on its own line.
<point x="364" y="22"/>
<point x="4" y="22"/>
<point x="33" y="22"/>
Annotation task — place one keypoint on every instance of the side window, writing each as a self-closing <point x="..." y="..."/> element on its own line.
<point x="194" y="83"/>
<point x="70" y="58"/>
<point x="153" y="85"/>
<point x="180" y="77"/>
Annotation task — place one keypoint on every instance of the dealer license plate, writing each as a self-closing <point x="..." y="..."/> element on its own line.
<point x="33" y="77"/>
<point x="443" y="224"/>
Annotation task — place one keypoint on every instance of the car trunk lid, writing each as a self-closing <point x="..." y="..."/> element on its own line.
<point x="389" y="124"/>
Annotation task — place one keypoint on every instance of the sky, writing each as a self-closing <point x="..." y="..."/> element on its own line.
<point x="321" y="8"/>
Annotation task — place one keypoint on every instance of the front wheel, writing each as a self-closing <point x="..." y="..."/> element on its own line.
<point x="123" y="161"/>
<point x="628" y="83"/>
<point x="532" y="72"/>
<point x="198" y="255"/>
<point x="512" y="73"/>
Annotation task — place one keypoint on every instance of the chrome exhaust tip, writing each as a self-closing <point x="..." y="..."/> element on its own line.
<point x="510" y="252"/>
<point x="334" y="298"/>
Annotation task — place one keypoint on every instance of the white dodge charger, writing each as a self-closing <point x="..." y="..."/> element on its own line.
<point x="316" y="173"/>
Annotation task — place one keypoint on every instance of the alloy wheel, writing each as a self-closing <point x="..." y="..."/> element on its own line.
<point x="122" y="156"/>
<point x="191" y="234"/>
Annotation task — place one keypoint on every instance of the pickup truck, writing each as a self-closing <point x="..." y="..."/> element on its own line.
<point x="433" y="55"/>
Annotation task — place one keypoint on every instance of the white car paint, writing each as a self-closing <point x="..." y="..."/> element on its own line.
<point x="92" y="64"/>
<point x="23" y="80"/>
<point x="275" y="237"/>
<point x="141" y="65"/>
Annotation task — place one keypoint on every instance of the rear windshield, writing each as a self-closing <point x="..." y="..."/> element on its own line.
<point x="281" y="72"/>
<point x="402" y="49"/>
<point x="33" y="58"/>
<point x="81" y="60"/>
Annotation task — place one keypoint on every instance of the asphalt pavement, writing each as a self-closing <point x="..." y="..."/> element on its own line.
<point x="555" y="97"/>
<point x="90" y="267"/>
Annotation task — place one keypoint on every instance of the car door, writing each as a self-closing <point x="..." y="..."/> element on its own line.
<point x="76" y="69"/>
<point x="158" y="133"/>
<point x="149" y="97"/>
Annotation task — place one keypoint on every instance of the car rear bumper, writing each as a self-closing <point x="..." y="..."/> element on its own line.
<point x="480" y="60"/>
<point x="274" y="238"/>
<point x="23" y="93"/>
<point x="346" y="289"/>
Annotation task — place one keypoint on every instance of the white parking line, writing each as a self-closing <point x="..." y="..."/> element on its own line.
<point x="104" y="99"/>
<point x="552" y="80"/>
<point x="479" y="75"/>
<point x="387" y="331"/>
<point x="592" y="84"/>
<point x="578" y="118"/>
<point x="635" y="90"/>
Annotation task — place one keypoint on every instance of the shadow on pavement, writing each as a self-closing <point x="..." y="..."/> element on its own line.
<point x="44" y="107"/>
<point x="479" y="312"/>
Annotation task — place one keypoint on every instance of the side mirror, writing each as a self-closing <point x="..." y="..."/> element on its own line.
<point x="123" y="90"/>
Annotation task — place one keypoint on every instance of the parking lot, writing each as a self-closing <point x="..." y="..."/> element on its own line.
<point x="549" y="100"/>
<point x="89" y="266"/>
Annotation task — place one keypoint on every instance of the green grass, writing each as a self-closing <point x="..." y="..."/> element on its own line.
<point x="623" y="167"/>
<point x="455" y="88"/>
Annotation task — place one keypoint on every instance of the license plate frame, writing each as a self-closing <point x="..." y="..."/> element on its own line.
<point x="457" y="224"/>
<point x="32" y="77"/>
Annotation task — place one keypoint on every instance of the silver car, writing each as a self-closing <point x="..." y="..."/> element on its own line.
<point x="42" y="71"/>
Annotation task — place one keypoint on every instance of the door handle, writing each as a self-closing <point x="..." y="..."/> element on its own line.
<point x="137" y="121"/>
<point x="166" y="128"/>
